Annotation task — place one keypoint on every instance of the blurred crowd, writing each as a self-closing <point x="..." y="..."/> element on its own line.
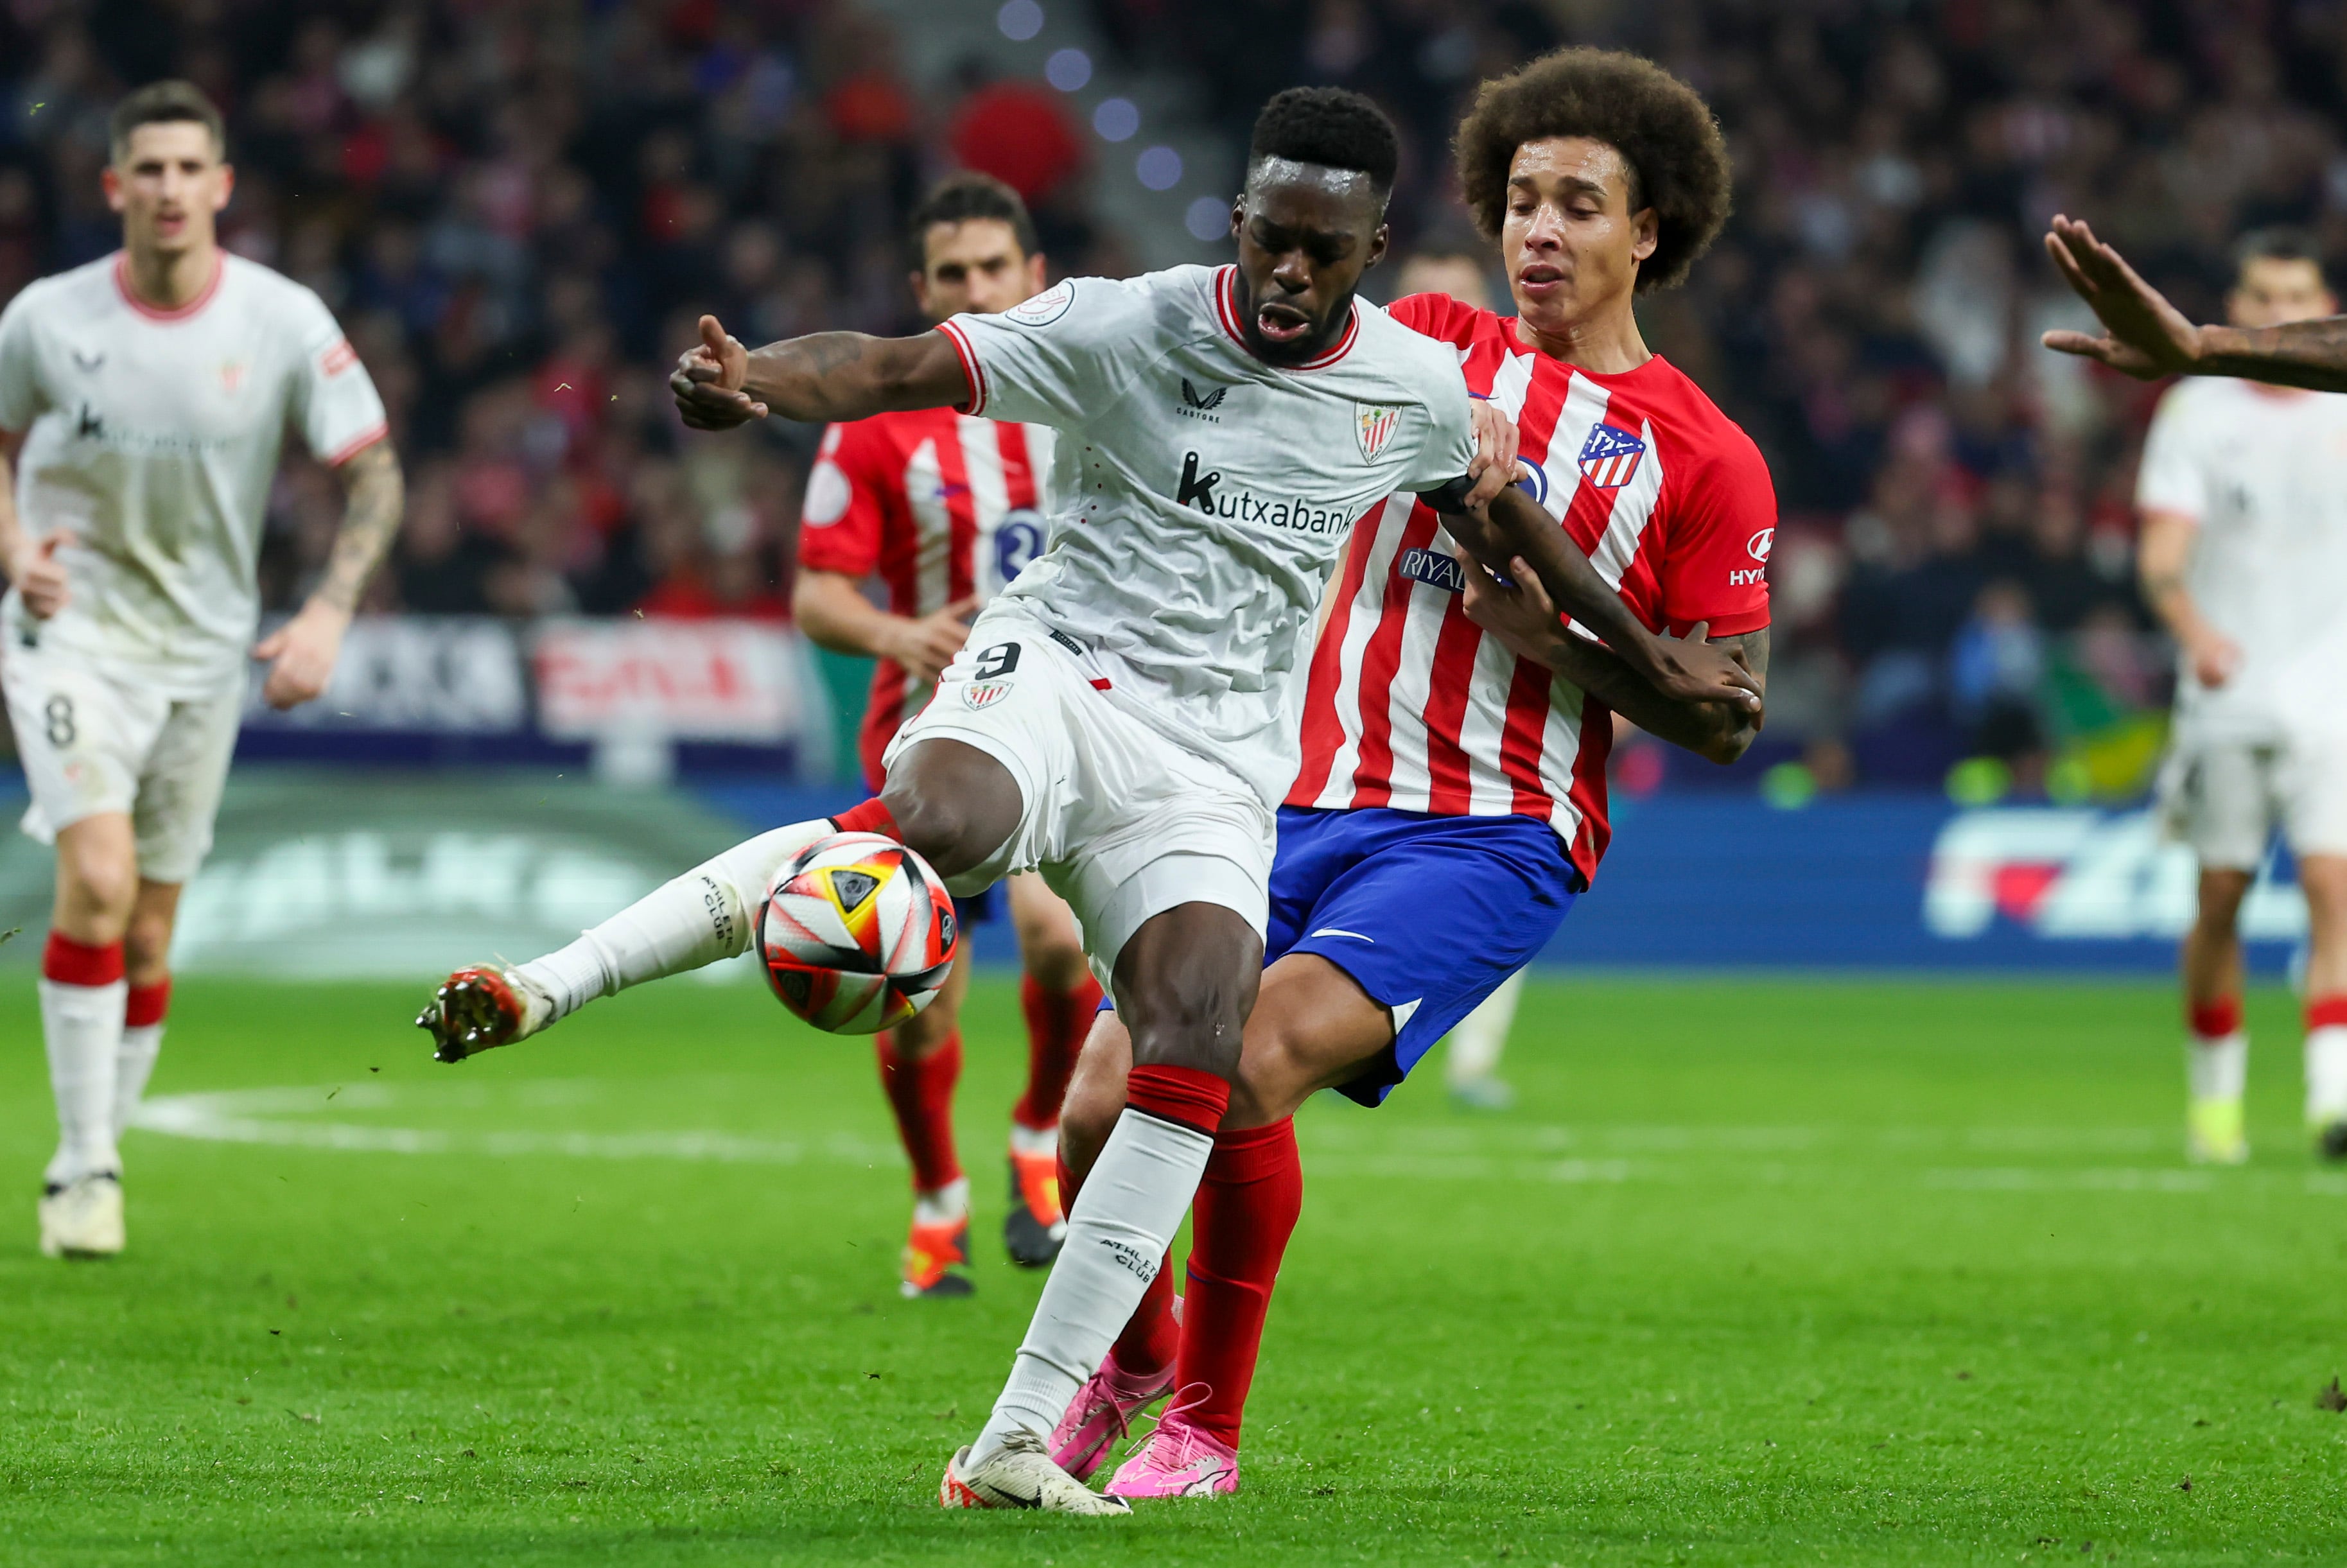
<point x="519" y="208"/>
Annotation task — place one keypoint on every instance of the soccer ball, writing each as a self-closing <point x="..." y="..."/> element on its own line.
<point x="857" y="933"/>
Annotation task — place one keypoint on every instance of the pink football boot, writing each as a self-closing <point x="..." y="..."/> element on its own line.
<point x="1177" y="1459"/>
<point x="1101" y="1412"/>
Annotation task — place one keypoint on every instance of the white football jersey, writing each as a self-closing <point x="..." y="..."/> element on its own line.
<point x="1204" y="496"/>
<point x="153" y="439"/>
<point x="2264" y="471"/>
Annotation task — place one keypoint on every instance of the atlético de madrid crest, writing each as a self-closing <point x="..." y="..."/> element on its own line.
<point x="1373" y="425"/>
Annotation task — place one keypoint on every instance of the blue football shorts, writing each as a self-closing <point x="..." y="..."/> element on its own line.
<point x="1426" y="914"/>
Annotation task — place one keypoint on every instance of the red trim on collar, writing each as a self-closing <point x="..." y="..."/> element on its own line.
<point x="1226" y="313"/>
<point x="155" y="312"/>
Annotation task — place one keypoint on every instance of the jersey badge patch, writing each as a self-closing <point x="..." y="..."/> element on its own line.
<point x="979" y="694"/>
<point x="1610" y="456"/>
<point x="1044" y="308"/>
<point x="232" y="375"/>
<point x="1374" y="424"/>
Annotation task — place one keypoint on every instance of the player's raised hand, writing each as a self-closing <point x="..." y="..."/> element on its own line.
<point x="2215" y="658"/>
<point x="709" y="378"/>
<point x="925" y="644"/>
<point x="40" y="575"/>
<point x="302" y="653"/>
<point x="1494" y="466"/>
<point x="2143" y="335"/>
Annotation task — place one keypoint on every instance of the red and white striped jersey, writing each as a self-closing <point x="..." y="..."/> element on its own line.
<point x="1409" y="705"/>
<point x="940" y="505"/>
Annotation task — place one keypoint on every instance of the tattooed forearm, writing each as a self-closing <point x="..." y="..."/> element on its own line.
<point x="2301" y="354"/>
<point x="1712" y="729"/>
<point x="374" y="495"/>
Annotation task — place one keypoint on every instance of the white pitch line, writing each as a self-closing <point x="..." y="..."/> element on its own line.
<point x="265" y="1116"/>
<point x="287" y="1117"/>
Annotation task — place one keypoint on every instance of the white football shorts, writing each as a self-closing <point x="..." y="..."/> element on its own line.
<point x="2226" y="798"/>
<point x="1123" y="821"/>
<point x="93" y="741"/>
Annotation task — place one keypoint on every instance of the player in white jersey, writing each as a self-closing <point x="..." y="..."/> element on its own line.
<point x="1122" y="716"/>
<point x="2243" y="494"/>
<point x="143" y="402"/>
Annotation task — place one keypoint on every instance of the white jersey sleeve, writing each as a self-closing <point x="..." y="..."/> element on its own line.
<point x="2174" y="477"/>
<point x="1450" y="441"/>
<point x="21" y="397"/>
<point x="1062" y="357"/>
<point x="334" y="402"/>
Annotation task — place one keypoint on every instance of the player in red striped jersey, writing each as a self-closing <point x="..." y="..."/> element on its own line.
<point x="1451" y="800"/>
<point x="945" y="508"/>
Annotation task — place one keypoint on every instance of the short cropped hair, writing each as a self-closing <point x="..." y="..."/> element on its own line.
<point x="159" y="103"/>
<point x="1661" y="126"/>
<point x="1331" y="126"/>
<point x="2278" y="243"/>
<point x="960" y="198"/>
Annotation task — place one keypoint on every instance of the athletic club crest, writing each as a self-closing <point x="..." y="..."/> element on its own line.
<point x="1610" y="456"/>
<point x="232" y="375"/>
<point x="984" y="693"/>
<point x="1373" y="425"/>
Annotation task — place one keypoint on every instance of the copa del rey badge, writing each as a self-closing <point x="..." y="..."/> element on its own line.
<point x="1373" y="425"/>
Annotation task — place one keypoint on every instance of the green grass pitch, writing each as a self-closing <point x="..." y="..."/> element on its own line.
<point x="1758" y="1272"/>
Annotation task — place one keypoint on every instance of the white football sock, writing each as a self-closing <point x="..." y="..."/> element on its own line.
<point x="2216" y="1069"/>
<point x="134" y="1064"/>
<point x="1479" y="1038"/>
<point x="945" y="1204"/>
<point x="2326" y="1073"/>
<point x="1124" y="1218"/>
<point x="82" y="1026"/>
<point x="1033" y="1141"/>
<point x="698" y="918"/>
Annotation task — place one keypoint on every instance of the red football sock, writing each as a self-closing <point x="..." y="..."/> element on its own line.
<point x="71" y="963"/>
<point x="1187" y="1096"/>
<point x="1239" y="1225"/>
<point x="871" y="817"/>
<point x="1056" y="1023"/>
<point x="920" y="1090"/>
<point x="147" y="1004"/>
<point x="2326" y="1011"/>
<point x="2214" y="1020"/>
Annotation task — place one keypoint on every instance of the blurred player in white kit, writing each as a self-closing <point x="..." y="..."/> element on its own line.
<point x="143" y="401"/>
<point x="2243" y="492"/>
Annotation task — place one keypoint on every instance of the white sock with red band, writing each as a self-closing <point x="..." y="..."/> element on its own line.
<point x="142" y="1041"/>
<point x="82" y="994"/>
<point x="1122" y="1222"/>
<point x="2326" y="1059"/>
<point x="697" y="918"/>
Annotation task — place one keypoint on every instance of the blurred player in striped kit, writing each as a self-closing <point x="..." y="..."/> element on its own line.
<point x="944" y="508"/>
<point x="144" y="399"/>
<point x="2243" y="493"/>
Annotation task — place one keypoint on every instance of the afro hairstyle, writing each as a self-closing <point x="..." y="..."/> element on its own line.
<point x="1662" y="129"/>
<point x="1329" y="127"/>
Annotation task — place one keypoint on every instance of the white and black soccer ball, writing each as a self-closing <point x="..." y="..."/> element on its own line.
<point x="857" y="933"/>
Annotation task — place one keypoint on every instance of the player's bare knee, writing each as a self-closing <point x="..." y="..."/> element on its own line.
<point x="97" y="883"/>
<point x="1052" y="960"/>
<point x="954" y="805"/>
<point x="1088" y="1114"/>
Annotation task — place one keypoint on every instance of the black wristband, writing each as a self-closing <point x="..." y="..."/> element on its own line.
<point x="1451" y="498"/>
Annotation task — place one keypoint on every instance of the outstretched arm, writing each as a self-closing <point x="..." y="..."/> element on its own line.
<point x="2147" y="338"/>
<point x="719" y="383"/>
<point x="1521" y="615"/>
<point x="1513" y="534"/>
